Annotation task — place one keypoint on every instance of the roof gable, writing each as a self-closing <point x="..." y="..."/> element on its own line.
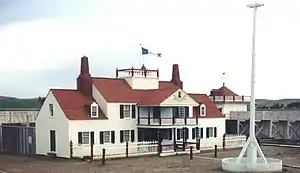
<point x="179" y="97"/>
<point x="74" y="104"/>
<point x="211" y="109"/>
<point x="223" y="91"/>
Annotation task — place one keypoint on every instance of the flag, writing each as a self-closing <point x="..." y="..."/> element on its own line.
<point x="147" y="52"/>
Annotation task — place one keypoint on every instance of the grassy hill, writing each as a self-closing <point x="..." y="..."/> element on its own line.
<point x="10" y="102"/>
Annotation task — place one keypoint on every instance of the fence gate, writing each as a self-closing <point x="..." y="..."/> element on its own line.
<point x="17" y="139"/>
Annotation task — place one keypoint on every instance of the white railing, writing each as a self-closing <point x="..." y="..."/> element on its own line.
<point x="167" y="121"/>
<point x="151" y="147"/>
<point x="231" y="141"/>
<point x="117" y="150"/>
<point x="230" y="98"/>
<point x="235" y="141"/>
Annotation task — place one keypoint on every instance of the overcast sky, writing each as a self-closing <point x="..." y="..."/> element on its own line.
<point x="41" y="42"/>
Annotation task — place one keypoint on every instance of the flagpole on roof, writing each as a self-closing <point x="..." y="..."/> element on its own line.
<point x="142" y="56"/>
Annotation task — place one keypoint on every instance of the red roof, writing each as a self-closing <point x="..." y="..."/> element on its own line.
<point x="223" y="91"/>
<point x="119" y="91"/>
<point x="75" y="105"/>
<point x="211" y="109"/>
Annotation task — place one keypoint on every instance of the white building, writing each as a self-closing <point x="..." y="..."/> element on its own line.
<point x="228" y="101"/>
<point x="134" y="106"/>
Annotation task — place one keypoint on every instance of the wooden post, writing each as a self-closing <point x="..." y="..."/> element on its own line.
<point x="191" y="152"/>
<point x="127" y="149"/>
<point x="92" y="152"/>
<point x="71" y="149"/>
<point x="216" y="150"/>
<point x="224" y="141"/>
<point x="159" y="147"/>
<point x="103" y="156"/>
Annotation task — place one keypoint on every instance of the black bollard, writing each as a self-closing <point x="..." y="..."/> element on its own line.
<point x="103" y="156"/>
<point x="216" y="150"/>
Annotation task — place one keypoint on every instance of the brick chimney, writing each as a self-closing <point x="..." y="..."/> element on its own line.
<point x="176" y="77"/>
<point x="84" y="80"/>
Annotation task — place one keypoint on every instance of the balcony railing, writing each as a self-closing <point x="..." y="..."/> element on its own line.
<point x="167" y="121"/>
<point x="230" y="98"/>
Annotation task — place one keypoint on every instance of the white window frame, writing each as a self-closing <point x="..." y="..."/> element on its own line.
<point x="210" y="132"/>
<point x="94" y="110"/>
<point x="126" y="133"/>
<point x="127" y="111"/>
<point x="85" y="138"/>
<point x="181" y="112"/>
<point x="106" y="137"/>
<point x="51" y="110"/>
<point x="202" y="110"/>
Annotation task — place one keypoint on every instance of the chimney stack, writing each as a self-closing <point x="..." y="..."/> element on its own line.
<point x="84" y="80"/>
<point x="176" y="76"/>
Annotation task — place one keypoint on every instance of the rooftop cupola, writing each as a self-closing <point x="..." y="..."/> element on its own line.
<point x="140" y="78"/>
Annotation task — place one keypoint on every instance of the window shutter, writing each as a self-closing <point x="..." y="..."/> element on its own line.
<point x="112" y="133"/>
<point x="215" y="132"/>
<point x="133" y="111"/>
<point x="178" y="134"/>
<point x="201" y="133"/>
<point x="193" y="133"/>
<point x="121" y="111"/>
<point x="132" y="136"/>
<point x="207" y="132"/>
<point x="92" y="138"/>
<point x="121" y="136"/>
<point x="187" y="114"/>
<point x="186" y="133"/>
<point x="79" y="137"/>
<point x="101" y="138"/>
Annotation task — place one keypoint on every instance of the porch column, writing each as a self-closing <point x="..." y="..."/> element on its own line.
<point x="173" y="115"/>
<point x="174" y="138"/>
<point x="138" y="118"/>
<point x="148" y="115"/>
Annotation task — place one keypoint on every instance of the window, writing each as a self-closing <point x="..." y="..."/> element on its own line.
<point x="209" y="132"/>
<point x="195" y="133"/>
<point x="51" y="109"/>
<point x="94" y="111"/>
<point x="127" y="111"/>
<point x="107" y="137"/>
<point x="83" y="137"/>
<point x="127" y="135"/>
<point x="203" y="110"/>
<point x="181" y="112"/>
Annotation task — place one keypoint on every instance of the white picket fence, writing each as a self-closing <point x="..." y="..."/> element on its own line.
<point x="150" y="147"/>
<point x="117" y="150"/>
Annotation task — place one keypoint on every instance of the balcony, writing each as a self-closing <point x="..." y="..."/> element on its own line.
<point x="149" y="121"/>
<point x="236" y="99"/>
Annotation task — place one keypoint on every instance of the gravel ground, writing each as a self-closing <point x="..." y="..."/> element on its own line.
<point x="172" y="164"/>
